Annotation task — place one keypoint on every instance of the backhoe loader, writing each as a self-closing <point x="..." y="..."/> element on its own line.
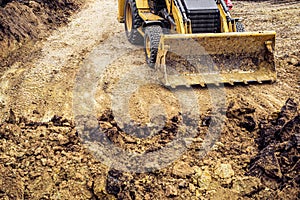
<point x="197" y="42"/>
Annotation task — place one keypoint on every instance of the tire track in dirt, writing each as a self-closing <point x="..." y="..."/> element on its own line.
<point x="42" y="87"/>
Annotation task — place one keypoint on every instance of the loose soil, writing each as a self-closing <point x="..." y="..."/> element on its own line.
<point x="42" y="151"/>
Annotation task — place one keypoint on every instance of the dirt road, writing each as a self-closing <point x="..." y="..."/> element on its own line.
<point x="44" y="85"/>
<point x="47" y="80"/>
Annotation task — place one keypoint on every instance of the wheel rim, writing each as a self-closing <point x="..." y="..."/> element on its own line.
<point x="128" y="18"/>
<point x="147" y="47"/>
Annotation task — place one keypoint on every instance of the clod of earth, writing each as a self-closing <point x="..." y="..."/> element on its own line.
<point x="278" y="161"/>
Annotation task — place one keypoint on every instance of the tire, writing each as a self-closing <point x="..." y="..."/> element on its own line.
<point x="151" y="42"/>
<point x="239" y="27"/>
<point x="132" y="22"/>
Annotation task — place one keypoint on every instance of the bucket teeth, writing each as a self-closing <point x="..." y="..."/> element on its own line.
<point x="258" y="80"/>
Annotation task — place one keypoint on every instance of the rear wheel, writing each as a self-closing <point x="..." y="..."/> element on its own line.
<point x="132" y="22"/>
<point x="151" y="42"/>
<point x="239" y="27"/>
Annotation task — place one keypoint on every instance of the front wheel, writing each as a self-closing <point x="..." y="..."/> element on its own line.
<point x="151" y="42"/>
<point x="132" y="22"/>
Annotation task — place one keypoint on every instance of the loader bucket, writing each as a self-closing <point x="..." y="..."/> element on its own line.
<point x="213" y="58"/>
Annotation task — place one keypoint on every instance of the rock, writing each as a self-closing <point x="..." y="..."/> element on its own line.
<point x="66" y="124"/>
<point x="99" y="187"/>
<point x="192" y="187"/>
<point x="171" y="190"/>
<point x="79" y="177"/>
<point x="238" y="108"/>
<point x="224" y="171"/>
<point x="198" y="193"/>
<point x="182" y="184"/>
<point x="246" y="185"/>
<point x="294" y="61"/>
<point x="147" y="197"/>
<point x="205" y="179"/>
<point x="129" y="139"/>
<point x="182" y="169"/>
<point x="197" y="175"/>
<point x="44" y="161"/>
<point x="106" y="125"/>
<point x="62" y="139"/>
<point x="197" y="170"/>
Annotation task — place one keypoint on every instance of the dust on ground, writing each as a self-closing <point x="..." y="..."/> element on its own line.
<point x="42" y="155"/>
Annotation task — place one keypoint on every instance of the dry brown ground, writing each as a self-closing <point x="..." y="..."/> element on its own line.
<point x="42" y="156"/>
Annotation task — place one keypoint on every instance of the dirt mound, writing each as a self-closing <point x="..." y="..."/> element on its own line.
<point x="242" y="113"/>
<point x="277" y="162"/>
<point x="139" y="134"/>
<point x="41" y="160"/>
<point x="273" y="173"/>
<point x="26" y="21"/>
<point x="48" y="159"/>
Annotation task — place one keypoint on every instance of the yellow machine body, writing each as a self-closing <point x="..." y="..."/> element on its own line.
<point x="187" y="58"/>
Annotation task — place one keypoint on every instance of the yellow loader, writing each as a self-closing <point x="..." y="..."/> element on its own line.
<point x="197" y="42"/>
